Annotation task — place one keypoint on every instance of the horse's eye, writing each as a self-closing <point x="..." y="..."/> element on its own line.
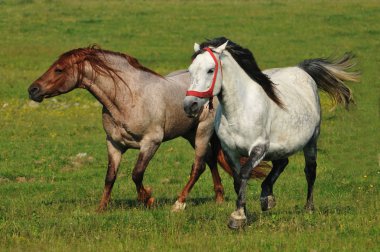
<point x="210" y="71"/>
<point x="58" y="70"/>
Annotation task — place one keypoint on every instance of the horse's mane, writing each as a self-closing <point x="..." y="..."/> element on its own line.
<point x="247" y="62"/>
<point x="95" y="56"/>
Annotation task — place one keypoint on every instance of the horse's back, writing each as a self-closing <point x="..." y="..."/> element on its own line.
<point x="180" y="77"/>
<point x="177" y="73"/>
<point x="294" y="82"/>
<point x="297" y="90"/>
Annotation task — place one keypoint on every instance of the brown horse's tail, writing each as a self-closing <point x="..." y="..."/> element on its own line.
<point x="258" y="172"/>
<point x="330" y="76"/>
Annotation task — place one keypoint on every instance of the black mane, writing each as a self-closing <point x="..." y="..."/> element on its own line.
<point x="247" y="62"/>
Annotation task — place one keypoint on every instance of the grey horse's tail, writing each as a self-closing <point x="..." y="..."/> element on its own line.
<point x="330" y="76"/>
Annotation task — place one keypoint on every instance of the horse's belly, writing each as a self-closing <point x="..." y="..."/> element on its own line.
<point x="282" y="150"/>
<point x="180" y="127"/>
<point x="291" y="137"/>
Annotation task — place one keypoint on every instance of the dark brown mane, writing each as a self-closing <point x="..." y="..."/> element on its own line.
<point x="95" y="56"/>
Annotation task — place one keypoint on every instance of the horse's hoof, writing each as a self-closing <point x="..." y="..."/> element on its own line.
<point x="237" y="219"/>
<point x="268" y="202"/>
<point x="100" y="210"/>
<point x="150" y="202"/>
<point x="309" y="208"/>
<point x="144" y="195"/>
<point x="178" y="206"/>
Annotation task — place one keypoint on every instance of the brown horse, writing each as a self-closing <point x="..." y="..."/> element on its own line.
<point x="141" y="109"/>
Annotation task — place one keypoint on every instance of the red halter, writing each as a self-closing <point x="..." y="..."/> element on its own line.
<point x="210" y="91"/>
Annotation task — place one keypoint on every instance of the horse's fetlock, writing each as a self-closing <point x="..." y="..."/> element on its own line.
<point x="219" y="189"/>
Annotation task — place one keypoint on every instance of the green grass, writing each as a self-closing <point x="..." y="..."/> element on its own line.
<point x="49" y="195"/>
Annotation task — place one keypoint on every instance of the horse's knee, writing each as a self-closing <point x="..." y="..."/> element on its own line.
<point x="258" y="149"/>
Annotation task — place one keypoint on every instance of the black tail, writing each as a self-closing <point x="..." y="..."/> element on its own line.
<point x="330" y="76"/>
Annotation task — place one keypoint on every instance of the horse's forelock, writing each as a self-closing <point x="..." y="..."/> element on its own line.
<point x="216" y="42"/>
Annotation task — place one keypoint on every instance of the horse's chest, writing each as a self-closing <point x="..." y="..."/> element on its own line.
<point x="228" y="135"/>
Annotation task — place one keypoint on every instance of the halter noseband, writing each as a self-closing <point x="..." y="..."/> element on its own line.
<point x="208" y="93"/>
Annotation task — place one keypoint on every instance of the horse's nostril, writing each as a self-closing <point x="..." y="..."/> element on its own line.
<point x="191" y="106"/>
<point x="34" y="90"/>
<point x="194" y="106"/>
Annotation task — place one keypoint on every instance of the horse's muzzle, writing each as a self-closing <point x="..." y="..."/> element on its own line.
<point x="192" y="105"/>
<point x="35" y="92"/>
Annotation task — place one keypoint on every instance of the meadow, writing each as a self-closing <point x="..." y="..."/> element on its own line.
<point x="53" y="155"/>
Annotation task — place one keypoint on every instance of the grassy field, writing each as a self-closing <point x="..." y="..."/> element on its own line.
<point x="53" y="156"/>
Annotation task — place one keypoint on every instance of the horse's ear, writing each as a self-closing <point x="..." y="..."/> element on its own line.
<point x="197" y="47"/>
<point x="221" y="48"/>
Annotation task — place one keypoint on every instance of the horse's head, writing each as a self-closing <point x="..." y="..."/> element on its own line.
<point x="75" y="68"/>
<point x="61" y="77"/>
<point x="206" y="78"/>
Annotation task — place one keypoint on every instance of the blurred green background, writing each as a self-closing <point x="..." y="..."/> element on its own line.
<point x="50" y="193"/>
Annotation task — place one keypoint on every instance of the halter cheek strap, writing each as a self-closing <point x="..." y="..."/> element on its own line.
<point x="208" y="93"/>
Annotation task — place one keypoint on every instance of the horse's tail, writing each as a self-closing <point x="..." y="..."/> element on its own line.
<point x="330" y="76"/>
<point x="258" y="172"/>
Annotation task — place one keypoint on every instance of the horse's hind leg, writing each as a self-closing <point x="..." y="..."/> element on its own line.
<point x="197" y="169"/>
<point x="114" y="158"/>
<point x="310" y="153"/>
<point x="212" y="162"/>
<point x="218" y="187"/>
<point x="203" y="153"/>
<point x="267" y="198"/>
<point x="147" y="151"/>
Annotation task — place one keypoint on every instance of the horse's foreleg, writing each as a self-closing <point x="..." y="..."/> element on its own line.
<point x="238" y="218"/>
<point x="114" y="158"/>
<point x="267" y="198"/>
<point x="147" y="151"/>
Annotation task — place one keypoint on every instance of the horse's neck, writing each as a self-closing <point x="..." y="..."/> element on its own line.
<point x="114" y="94"/>
<point x="103" y="95"/>
<point x="236" y="84"/>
